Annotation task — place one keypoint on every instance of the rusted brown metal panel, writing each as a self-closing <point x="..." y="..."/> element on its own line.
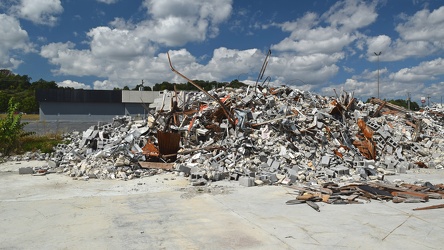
<point x="168" y="143"/>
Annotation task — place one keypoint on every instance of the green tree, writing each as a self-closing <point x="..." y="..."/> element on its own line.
<point x="42" y="84"/>
<point x="29" y="105"/>
<point x="11" y="129"/>
<point x="163" y="86"/>
<point x="4" y="98"/>
<point x="145" y="88"/>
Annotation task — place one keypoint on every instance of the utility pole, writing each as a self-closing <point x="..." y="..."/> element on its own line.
<point x="142" y="88"/>
<point x="378" y="54"/>
<point x="408" y="100"/>
<point x="428" y="100"/>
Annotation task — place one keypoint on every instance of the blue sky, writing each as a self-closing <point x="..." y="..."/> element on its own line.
<point x="316" y="45"/>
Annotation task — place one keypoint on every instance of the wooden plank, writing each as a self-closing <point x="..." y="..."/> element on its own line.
<point x="429" y="207"/>
<point x="411" y="194"/>
<point x="156" y="165"/>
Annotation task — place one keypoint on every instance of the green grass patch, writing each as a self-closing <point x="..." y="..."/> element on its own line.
<point x="44" y="143"/>
<point x="29" y="117"/>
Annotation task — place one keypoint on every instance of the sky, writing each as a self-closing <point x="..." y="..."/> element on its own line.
<point x="317" y="46"/>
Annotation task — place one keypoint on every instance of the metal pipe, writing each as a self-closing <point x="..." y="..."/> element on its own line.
<point x="225" y="109"/>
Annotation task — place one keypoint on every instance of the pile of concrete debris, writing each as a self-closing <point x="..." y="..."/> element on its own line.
<point x="258" y="135"/>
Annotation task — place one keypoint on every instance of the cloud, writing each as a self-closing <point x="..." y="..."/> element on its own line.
<point x="318" y="42"/>
<point x="73" y="84"/>
<point x="425" y="71"/>
<point x="106" y="85"/>
<point x="350" y="15"/>
<point x="127" y="51"/>
<point x="177" y="22"/>
<point x="12" y="39"/>
<point x="344" y="19"/>
<point x="119" y="44"/>
<point x="420" y="35"/>
<point x="398" y="84"/>
<point x="72" y="61"/>
<point x="423" y="26"/>
<point x="42" y="12"/>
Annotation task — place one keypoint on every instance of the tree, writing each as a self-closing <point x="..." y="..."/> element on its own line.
<point x="29" y="105"/>
<point x="236" y="84"/>
<point x="42" y="84"/>
<point x="145" y="88"/>
<point x="4" y="98"/>
<point x="126" y="88"/>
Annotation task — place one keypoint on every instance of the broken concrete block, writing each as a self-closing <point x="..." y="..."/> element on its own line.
<point x="26" y="170"/>
<point x="246" y="181"/>
<point x="325" y="161"/>
<point x="182" y="168"/>
<point x="340" y="170"/>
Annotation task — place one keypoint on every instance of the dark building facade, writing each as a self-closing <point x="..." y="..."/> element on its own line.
<point x="92" y="105"/>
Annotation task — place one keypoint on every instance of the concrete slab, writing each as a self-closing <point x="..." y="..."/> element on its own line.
<point x="165" y="212"/>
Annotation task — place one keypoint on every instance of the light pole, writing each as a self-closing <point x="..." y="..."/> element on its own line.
<point x="378" y="54"/>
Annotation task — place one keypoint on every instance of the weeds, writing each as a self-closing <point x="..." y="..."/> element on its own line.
<point x="11" y="129"/>
<point x="42" y="143"/>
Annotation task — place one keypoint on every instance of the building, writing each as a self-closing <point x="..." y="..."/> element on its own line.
<point x="93" y="105"/>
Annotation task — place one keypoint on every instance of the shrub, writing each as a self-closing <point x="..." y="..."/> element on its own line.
<point x="11" y="129"/>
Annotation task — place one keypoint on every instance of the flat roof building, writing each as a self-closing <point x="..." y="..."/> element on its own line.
<point x="92" y="105"/>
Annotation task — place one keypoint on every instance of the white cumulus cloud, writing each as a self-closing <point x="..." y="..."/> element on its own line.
<point x="73" y="84"/>
<point x="12" y="39"/>
<point x="44" y="12"/>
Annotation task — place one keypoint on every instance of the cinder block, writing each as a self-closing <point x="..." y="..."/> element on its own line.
<point x="428" y="144"/>
<point x="26" y="170"/>
<point x="325" y="161"/>
<point x="368" y="163"/>
<point x="358" y="164"/>
<point x="402" y="167"/>
<point x="246" y="181"/>
<point x="275" y="165"/>
<point x="383" y="133"/>
<point x="389" y="149"/>
<point x="416" y="148"/>
<point x="182" y="168"/>
<point x="341" y="170"/>
<point x="330" y="173"/>
<point x="373" y="125"/>
<point x="273" y="178"/>
<point x="392" y="143"/>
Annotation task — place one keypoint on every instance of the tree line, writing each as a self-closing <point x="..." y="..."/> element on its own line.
<point x="206" y="85"/>
<point x="22" y="89"/>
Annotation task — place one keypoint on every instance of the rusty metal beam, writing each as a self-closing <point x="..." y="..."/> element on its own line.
<point x="225" y="109"/>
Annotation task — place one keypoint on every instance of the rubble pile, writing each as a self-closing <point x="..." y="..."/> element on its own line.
<point x="284" y="135"/>
<point x="259" y="135"/>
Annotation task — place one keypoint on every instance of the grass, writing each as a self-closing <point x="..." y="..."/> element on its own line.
<point x="32" y="117"/>
<point x="44" y="143"/>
